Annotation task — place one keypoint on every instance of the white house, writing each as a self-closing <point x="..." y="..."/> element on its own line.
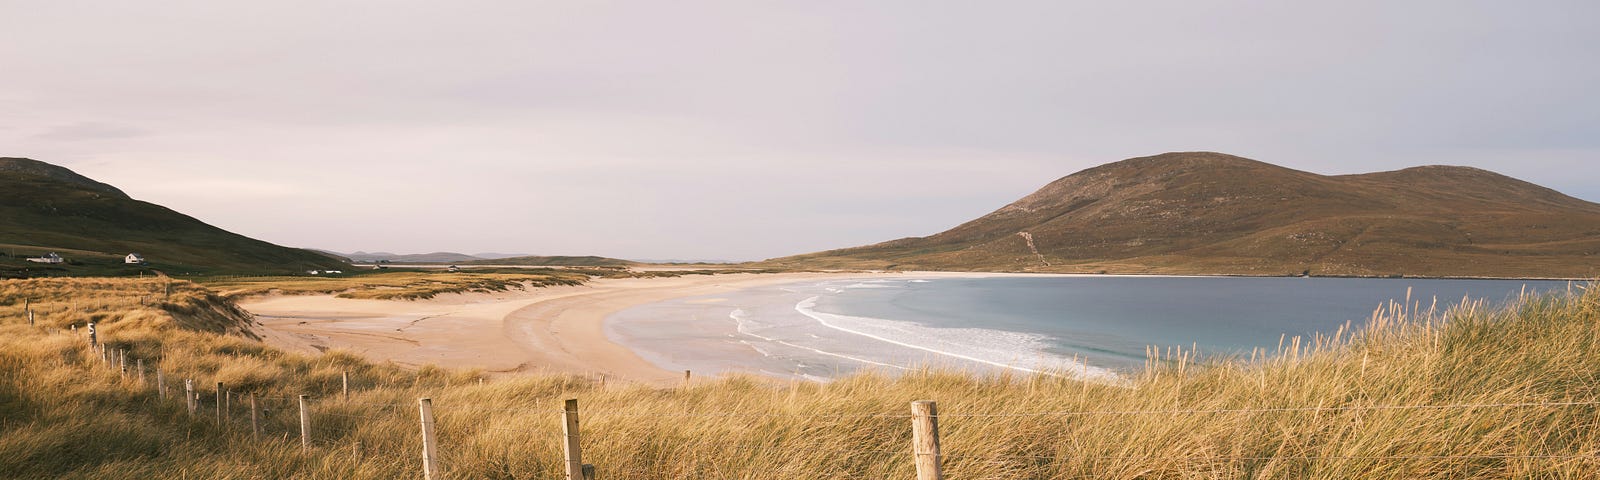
<point x="134" y="259"/>
<point x="51" y="258"/>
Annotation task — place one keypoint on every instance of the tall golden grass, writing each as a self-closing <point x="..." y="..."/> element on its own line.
<point x="1468" y="393"/>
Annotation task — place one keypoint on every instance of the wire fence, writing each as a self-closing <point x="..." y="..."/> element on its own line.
<point x="325" y="424"/>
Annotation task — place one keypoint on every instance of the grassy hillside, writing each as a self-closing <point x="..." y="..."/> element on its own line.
<point x="46" y="208"/>
<point x="1211" y="213"/>
<point x="1471" y="393"/>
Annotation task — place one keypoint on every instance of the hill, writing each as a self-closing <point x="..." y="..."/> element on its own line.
<point x="1211" y="213"/>
<point x="555" y="261"/>
<point x="46" y="208"/>
<point x="435" y="257"/>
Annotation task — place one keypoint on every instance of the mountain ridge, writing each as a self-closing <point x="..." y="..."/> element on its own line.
<point x="1213" y="213"/>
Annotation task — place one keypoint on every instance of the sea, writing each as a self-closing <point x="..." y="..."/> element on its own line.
<point x="1084" y="326"/>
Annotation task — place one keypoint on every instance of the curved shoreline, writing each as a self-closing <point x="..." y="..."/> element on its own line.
<point x="542" y="330"/>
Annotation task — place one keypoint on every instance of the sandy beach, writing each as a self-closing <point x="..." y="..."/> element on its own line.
<point x="550" y="330"/>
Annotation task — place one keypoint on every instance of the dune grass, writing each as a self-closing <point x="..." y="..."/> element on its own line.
<point x="1469" y="393"/>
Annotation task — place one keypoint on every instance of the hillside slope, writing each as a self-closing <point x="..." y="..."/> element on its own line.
<point x="1211" y="213"/>
<point x="45" y="208"/>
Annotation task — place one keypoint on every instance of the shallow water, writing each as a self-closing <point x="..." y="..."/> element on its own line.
<point x="1089" y="325"/>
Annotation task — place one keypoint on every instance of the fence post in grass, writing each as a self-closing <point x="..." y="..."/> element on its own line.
<point x="188" y="394"/>
<point x="93" y="340"/>
<point x="141" y="373"/>
<point x="925" y="439"/>
<point x="576" y="470"/>
<point x="255" y="417"/>
<point x="220" y="405"/>
<point x="305" y="425"/>
<point x="345" y="379"/>
<point x="161" y="384"/>
<point x="122" y="361"/>
<point x="430" y="462"/>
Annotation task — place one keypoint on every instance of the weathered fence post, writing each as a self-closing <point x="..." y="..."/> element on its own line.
<point x="686" y="375"/>
<point x="141" y="373"/>
<point x="305" y="424"/>
<point x="188" y="394"/>
<point x="573" y="451"/>
<point x="430" y="462"/>
<point x="255" y="417"/>
<point x="220" y="405"/>
<point x="161" y="384"/>
<point x="122" y="361"/>
<point x="925" y="439"/>
<point x="345" y="379"/>
<point x="93" y="340"/>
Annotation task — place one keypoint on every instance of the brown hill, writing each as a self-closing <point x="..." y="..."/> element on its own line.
<point x="1211" y="213"/>
<point x="47" y="208"/>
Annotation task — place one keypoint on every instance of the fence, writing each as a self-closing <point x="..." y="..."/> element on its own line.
<point x="925" y="451"/>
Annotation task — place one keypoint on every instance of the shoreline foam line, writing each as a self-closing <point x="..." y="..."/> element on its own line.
<point x="804" y="307"/>
<point x="739" y="315"/>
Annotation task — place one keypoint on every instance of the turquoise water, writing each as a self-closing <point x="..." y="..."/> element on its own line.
<point x="1091" y="325"/>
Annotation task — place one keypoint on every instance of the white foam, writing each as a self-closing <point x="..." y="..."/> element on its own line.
<point x="831" y="354"/>
<point x="990" y="347"/>
<point x="744" y="325"/>
<point x="870" y="285"/>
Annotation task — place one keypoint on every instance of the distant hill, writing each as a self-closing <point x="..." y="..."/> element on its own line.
<point x="1211" y="213"/>
<point x="435" y="257"/>
<point x="555" y="261"/>
<point x="45" y="208"/>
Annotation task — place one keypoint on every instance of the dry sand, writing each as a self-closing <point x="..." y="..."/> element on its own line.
<point x="556" y="329"/>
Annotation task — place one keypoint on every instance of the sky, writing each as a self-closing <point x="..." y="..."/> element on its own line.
<point x="739" y="130"/>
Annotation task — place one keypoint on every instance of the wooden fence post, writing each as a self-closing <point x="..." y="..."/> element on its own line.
<point x="345" y="379"/>
<point x="255" y="417"/>
<point x="576" y="469"/>
<point x="122" y="361"/>
<point x="161" y="384"/>
<point x="220" y="405"/>
<point x="188" y="394"/>
<point x="305" y="425"/>
<point x="141" y="373"/>
<point x="93" y="341"/>
<point x="430" y="462"/>
<point x="925" y="439"/>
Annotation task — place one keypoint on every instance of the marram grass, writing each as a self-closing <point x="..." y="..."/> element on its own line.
<point x="1468" y="393"/>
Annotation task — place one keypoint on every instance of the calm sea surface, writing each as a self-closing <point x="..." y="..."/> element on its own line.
<point x="1093" y="325"/>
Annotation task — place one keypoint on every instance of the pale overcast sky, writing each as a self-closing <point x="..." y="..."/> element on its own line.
<point x="745" y="130"/>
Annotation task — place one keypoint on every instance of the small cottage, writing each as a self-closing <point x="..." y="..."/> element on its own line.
<point x="51" y="258"/>
<point x="453" y="269"/>
<point x="134" y="259"/>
